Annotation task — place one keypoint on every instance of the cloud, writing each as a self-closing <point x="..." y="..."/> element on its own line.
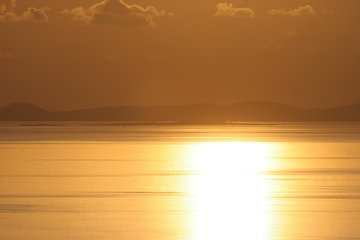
<point x="7" y="55"/>
<point x="228" y="10"/>
<point x="328" y="11"/>
<point x="31" y="14"/>
<point x="35" y="14"/>
<point x="10" y="8"/>
<point x="116" y="12"/>
<point x="305" y="10"/>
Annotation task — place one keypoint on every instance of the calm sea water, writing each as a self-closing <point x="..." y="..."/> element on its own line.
<point x="260" y="182"/>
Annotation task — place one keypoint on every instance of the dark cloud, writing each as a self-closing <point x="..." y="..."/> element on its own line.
<point x="116" y="12"/>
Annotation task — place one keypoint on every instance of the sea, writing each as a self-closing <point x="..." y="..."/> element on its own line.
<point x="121" y="181"/>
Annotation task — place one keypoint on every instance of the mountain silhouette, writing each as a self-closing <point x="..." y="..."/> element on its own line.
<point x="23" y="111"/>
<point x="261" y="111"/>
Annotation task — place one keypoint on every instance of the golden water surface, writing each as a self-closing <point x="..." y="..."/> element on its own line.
<point x="195" y="186"/>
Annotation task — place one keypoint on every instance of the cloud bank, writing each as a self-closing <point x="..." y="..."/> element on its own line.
<point x="32" y="14"/>
<point x="228" y="10"/>
<point x="116" y="12"/>
<point x="305" y="10"/>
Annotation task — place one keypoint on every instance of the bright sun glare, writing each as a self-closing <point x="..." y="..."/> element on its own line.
<point x="230" y="189"/>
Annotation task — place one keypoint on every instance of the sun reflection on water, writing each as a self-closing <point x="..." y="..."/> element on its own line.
<point x="230" y="191"/>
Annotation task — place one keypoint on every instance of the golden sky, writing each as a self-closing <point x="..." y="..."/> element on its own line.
<point x="63" y="55"/>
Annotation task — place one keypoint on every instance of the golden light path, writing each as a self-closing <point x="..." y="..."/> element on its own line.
<point x="230" y="191"/>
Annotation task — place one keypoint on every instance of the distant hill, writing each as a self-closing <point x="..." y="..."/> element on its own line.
<point x="23" y="111"/>
<point x="262" y="111"/>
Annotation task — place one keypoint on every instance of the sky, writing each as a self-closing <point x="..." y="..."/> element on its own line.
<point x="65" y="55"/>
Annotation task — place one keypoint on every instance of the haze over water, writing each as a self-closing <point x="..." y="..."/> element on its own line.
<point x="263" y="182"/>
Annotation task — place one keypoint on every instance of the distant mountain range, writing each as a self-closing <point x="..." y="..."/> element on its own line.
<point x="264" y="111"/>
